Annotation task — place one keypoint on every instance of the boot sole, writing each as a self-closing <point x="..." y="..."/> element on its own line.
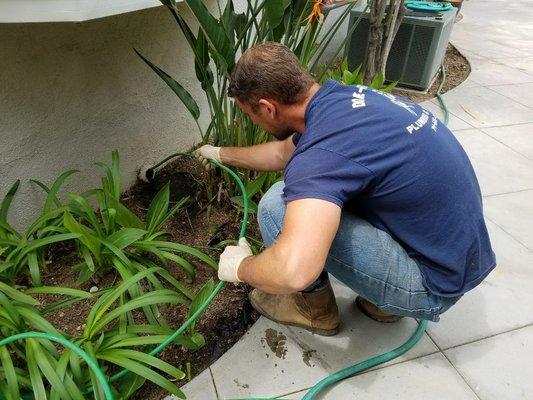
<point x="317" y="331"/>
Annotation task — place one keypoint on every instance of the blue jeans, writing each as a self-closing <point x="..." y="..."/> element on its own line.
<point x="367" y="260"/>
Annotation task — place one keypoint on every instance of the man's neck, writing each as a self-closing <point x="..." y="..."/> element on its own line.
<point x="296" y="112"/>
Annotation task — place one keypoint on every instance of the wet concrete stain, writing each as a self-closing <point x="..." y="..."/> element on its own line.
<point x="306" y="357"/>
<point x="276" y="342"/>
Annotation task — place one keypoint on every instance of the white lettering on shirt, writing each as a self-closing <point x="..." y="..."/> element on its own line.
<point x="419" y="123"/>
<point x="358" y="98"/>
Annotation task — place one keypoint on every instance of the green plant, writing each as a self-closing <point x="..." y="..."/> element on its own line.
<point x="114" y="238"/>
<point x="110" y="336"/>
<point x="26" y="251"/>
<point x="36" y="359"/>
<point x="343" y="75"/>
<point x="221" y="37"/>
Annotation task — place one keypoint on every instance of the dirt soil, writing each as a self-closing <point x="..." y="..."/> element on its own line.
<point x="228" y="317"/>
<point x="457" y="70"/>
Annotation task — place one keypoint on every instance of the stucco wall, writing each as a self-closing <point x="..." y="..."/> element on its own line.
<point x="70" y="93"/>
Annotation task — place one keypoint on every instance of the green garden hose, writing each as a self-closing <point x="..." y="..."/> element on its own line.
<point x="59" y="339"/>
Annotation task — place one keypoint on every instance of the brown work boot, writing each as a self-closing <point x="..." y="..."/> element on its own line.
<point x="315" y="311"/>
<point x="372" y="311"/>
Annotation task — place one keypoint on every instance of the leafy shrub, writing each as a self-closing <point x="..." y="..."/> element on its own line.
<point x="26" y="251"/>
<point x="343" y="75"/>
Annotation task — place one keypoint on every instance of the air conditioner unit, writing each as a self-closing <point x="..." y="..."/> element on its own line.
<point x="417" y="50"/>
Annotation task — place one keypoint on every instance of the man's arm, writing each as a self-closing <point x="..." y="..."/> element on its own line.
<point x="271" y="156"/>
<point x="298" y="256"/>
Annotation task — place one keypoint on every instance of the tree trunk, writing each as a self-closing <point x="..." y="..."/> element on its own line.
<point x="385" y="19"/>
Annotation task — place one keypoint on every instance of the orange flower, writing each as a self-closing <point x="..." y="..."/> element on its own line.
<point x="316" y="14"/>
<point x="321" y="6"/>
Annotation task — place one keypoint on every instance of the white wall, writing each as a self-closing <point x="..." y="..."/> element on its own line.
<point x="70" y="93"/>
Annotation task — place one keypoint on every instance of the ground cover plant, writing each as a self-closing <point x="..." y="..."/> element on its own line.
<point x="125" y="318"/>
<point x="218" y="42"/>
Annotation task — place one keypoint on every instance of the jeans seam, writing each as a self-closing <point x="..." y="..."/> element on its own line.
<point x="379" y="280"/>
<point x="272" y="224"/>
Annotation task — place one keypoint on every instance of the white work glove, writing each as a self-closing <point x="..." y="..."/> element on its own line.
<point x="230" y="261"/>
<point x="206" y="153"/>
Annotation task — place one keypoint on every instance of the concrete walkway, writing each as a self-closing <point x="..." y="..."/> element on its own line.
<point x="483" y="347"/>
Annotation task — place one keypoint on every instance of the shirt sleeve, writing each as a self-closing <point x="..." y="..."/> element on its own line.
<point x="322" y="174"/>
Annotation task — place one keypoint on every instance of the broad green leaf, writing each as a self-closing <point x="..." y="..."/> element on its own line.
<point x="170" y="279"/>
<point x="377" y="82"/>
<point x="105" y="301"/>
<point x="158" y="208"/>
<point x="200" y="299"/>
<point x="17" y="295"/>
<point x="175" y="208"/>
<point x="171" y="246"/>
<point x="149" y="360"/>
<point x="116" y="251"/>
<point x="183" y="94"/>
<point x="37" y="384"/>
<point x="274" y="11"/>
<point x="64" y="291"/>
<point x="43" y="220"/>
<point x="36" y="244"/>
<point x="389" y="87"/>
<point x="238" y="201"/>
<point x="163" y="296"/>
<point x="254" y="186"/>
<point x="125" y="237"/>
<point x="6" y="202"/>
<point x="141" y="370"/>
<point x="201" y="61"/>
<point x="187" y="266"/>
<point x="89" y="214"/>
<point x="84" y="234"/>
<point x="130" y="384"/>
<point x="9" y="229"/>
<point x="33" y="265"/>
<point x="33" y="319"/>
<point x="49" y="371"/>
<point x="217" y="37"/>
<point x="115" y="173"/>
<point x="126" y="217"/>
<point x="56" y="186"/>
<point x="8" y="370"/>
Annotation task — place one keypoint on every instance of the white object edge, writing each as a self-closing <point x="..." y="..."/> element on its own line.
<point x="15" y="11"/>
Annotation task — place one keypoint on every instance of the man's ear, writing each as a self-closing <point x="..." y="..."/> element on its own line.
<point x="269" y="107"/>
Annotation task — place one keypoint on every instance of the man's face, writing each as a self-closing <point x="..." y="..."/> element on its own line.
<point x="266" y="116"/>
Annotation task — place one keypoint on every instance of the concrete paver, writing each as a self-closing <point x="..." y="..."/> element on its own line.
<point x="524" y="64"/>
<point x="455" y="123"/>
<point x="503" y="301"/>
<point x="499" y="169"/>
<point x="500" y="367"/>
<point x="430" y="377"/>
<point x="519" y="92"/>
<point x="490" y="72"/>
<point x="517" y="137"/>
<point x="482" y="107"/>
<point x="513" y="212"/>
<point x="200" y="388"/>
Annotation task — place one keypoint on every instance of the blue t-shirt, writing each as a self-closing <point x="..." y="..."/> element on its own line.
<point x="398" y="167"/>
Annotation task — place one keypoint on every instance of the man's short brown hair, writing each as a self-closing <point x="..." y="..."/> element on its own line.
<point x="269" y="70"/>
